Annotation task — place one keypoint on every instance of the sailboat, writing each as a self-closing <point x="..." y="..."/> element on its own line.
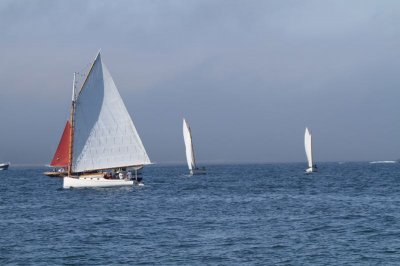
<point x="105" y="149"/>
<point x="61" y="156"/>
<point x="191" y="161"/>
<point x="308" y="146"/>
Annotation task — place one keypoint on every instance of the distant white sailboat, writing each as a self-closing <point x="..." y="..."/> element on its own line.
<point x="308" y="146"/>
<point x="105" y="147"/>
<point x="191" y="161"/>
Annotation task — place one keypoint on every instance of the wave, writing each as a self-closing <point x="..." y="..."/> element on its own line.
<point x="383" y="162"/>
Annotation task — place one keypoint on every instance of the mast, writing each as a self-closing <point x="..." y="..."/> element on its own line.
<point x="311" y="153"/>
<point x="73" y="106"/>
<point x="72" y="127"/>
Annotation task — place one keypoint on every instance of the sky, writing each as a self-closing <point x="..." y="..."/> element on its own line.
<point x="249" y="76"/>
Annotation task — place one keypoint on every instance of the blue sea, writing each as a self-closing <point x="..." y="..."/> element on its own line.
<point x="261" y="214"/>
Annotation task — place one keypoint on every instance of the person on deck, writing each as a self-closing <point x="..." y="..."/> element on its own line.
<point x="129" y="175"/>
<point x="121" y="175"/>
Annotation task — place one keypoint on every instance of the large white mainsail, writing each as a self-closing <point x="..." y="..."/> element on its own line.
<point x="308" y="147"/>
<point x="104" y="135"/>
<point x="187" y="136"/>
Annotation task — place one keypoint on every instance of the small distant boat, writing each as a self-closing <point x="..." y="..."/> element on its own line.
<point x="4" y="166"/>
<point x="308" y="146"/>
<point x="105" y="149"/>
<point x="61" y="156"/>
<point x="191" y="161"/>
<point x="383" y="162"/>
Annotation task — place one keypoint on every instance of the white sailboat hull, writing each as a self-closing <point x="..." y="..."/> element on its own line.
<point x="94" y="181"/>
<point x="311" y="170"/>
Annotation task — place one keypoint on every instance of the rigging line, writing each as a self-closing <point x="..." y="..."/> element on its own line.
<point x="82" y="73"/>
<point x="84" y="68"/>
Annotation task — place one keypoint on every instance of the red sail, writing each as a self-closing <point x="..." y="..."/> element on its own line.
<point x="61" y="157"/>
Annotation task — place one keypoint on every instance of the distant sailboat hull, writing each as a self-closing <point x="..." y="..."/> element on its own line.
<point x="198" y="171"/>
<point x="311" y="170"/>
<point x="4" y="166"/>
<point x="88" y="181"/>
<point x="55" y="173"/>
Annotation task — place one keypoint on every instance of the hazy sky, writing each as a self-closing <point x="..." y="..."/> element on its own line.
<point x="247" y="75"/>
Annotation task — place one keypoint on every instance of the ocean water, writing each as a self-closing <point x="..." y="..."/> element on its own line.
<point x="262" y="214"/>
